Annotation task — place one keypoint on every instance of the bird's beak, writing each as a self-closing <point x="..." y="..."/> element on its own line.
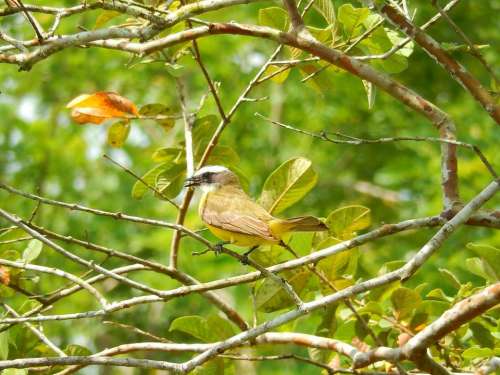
<point x="192" y="181"/>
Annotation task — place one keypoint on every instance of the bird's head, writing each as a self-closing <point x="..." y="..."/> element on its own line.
<point x="211" y="178"/>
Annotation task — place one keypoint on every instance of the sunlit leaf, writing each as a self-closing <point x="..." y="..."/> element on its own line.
<point x="4" y="345"/>
<point x="352" y="18"/>
<point x="370" y="93"/>
<point x="170" y="181"/>
<point x="167" y="154"/>
<point x="479" y="267"/>
<point x="118" y="133"/>
<point x="276" y="77"/>
<point x="96" y="108"/>
<point x="288" y="184"/>
<point x="32" y="251"/>
<point x="140" y="189"/>
<point x="326" y="9"/>
<point x="482" y="335"/>
<point x="450" y="277"/>
<point x="473" y="353"/>
<point x="274" y="17"/>
<point x="490" y="255"/>
<point x="74" y="349"/>
<point x="270" y="295"/>
<point x="163" y="115"/>
<point x="344" y="222"/>
<point x="404" y="302"/>
<point x="213" y="367"/>
<point x="105" y="17"/>
<point x="338" y="265"/>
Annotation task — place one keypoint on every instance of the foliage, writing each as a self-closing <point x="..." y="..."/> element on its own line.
<point x="354" y="189"/>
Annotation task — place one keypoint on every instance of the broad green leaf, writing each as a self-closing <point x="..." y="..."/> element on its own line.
<point x="74" y="349"/>
<point x="396" y="38"/>
<point x="404" y="301"/>
<point x="479" y="267"/>
<point x="321" y="80"/>
<point x="475" y="352"/>
<point x="268" y="255"/>
<point x="433" y="308"/>
<point x="160" y="113"/>
<point x="373" y="308"/>
<point x="490" y="255"/>
<point x="118" y="133"/>
<point x="418" y="321"/>
<point x="345" y="221"/>
<point x="167" y="154"/>
<point x="450" y="277"/>
<point x="326" y="9"/>
<point x="203" y="130"/>
<point x="352" y="18"/>
<point x="212" y="367"/>
<point x="288" y="184"/>
<point x="140" y="189"/>
<point x="270" y="295"/>
<point x="4" y="345"/>
<point x="175" y="70"/>
<point x="338" y="265"/>
<point x="15" y="371"/>
<point x="32" y="251"/>
<point x="220" y="328"/>
<point x="223" y="155"/>
<point x="438" y="294"/>
<point x="323" y="35"/>
<point x="105" y="17"/>
<point x="482" y="335"/>
<point x="276" y="77"/>
<point x="274" y="17"/>
<point x="171" y="180"/>
<point x="193" y="325"/>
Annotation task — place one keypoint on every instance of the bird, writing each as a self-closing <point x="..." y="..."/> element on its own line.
<point x="235" y="218"/>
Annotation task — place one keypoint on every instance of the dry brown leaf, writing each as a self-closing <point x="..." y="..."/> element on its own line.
<point x="4" y="275"/>
<point x="97" y="107"/>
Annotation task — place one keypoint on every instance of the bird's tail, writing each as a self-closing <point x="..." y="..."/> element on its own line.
<point x="302" y="224"/>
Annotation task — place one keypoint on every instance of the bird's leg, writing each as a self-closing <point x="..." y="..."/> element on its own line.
<point x="247" y="253"/>
<point x="286" y="246"/>
<point x="218" y="247"/>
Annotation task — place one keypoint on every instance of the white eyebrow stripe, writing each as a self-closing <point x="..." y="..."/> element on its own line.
<point x="211" y="168"/>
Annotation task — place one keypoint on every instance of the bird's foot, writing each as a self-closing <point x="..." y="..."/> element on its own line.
<point x="244" y="257"/>
<point x="218" y="247"/>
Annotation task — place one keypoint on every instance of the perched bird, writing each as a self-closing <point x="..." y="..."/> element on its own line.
<point x="232" y="216"/>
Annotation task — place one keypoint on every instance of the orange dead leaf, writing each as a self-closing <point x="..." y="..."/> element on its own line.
<point x="4" y="275"/>
<point x="96" y="108"/>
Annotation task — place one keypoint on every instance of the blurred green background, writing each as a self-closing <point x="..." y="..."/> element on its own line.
<point x="42" y="150"/>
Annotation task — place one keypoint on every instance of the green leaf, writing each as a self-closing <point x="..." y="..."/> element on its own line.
<point x="118" y="133"/>
<point x="451" y="278"/>
<point x="479" y="267"/>
<point x="193" y="325"/>
<point x="4" y="345"/>
<point x="159" y="113"/>
<point x="352" y="18"/>
<point x="490" y="255"/>
<point x="345" y="221"/>
<point x="274" y="17"/>
<point x="288" y="184"/>
<point x="203" y="129"/>
<point x="15" y="371"/>
<point x="373" y="308"/>
<point x="220" y="328"/>
<point x="79" y="350"/>
<point x="439" y="295"/>
<point x="212" y="367"/>
<point x="482" y="335"/>
<point x="223" y="155"/>
<point x="140" y="189"/>
<point x="473" y="353"/>
<point x="270" y="295"/>
<point x="338" y="265"/>
<point x="167" y="154"/>
<point x="171" y="180"/>
<point x="32" y="251"/>
<point x="278" y="77"/>
<point x="105" y="17"/>
<point x="326" y="9"/>
<point x="404" y="301"/>
<point x="175" y="70"/>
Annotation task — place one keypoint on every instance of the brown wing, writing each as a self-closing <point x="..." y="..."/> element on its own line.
<point x="231" y="209"/>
